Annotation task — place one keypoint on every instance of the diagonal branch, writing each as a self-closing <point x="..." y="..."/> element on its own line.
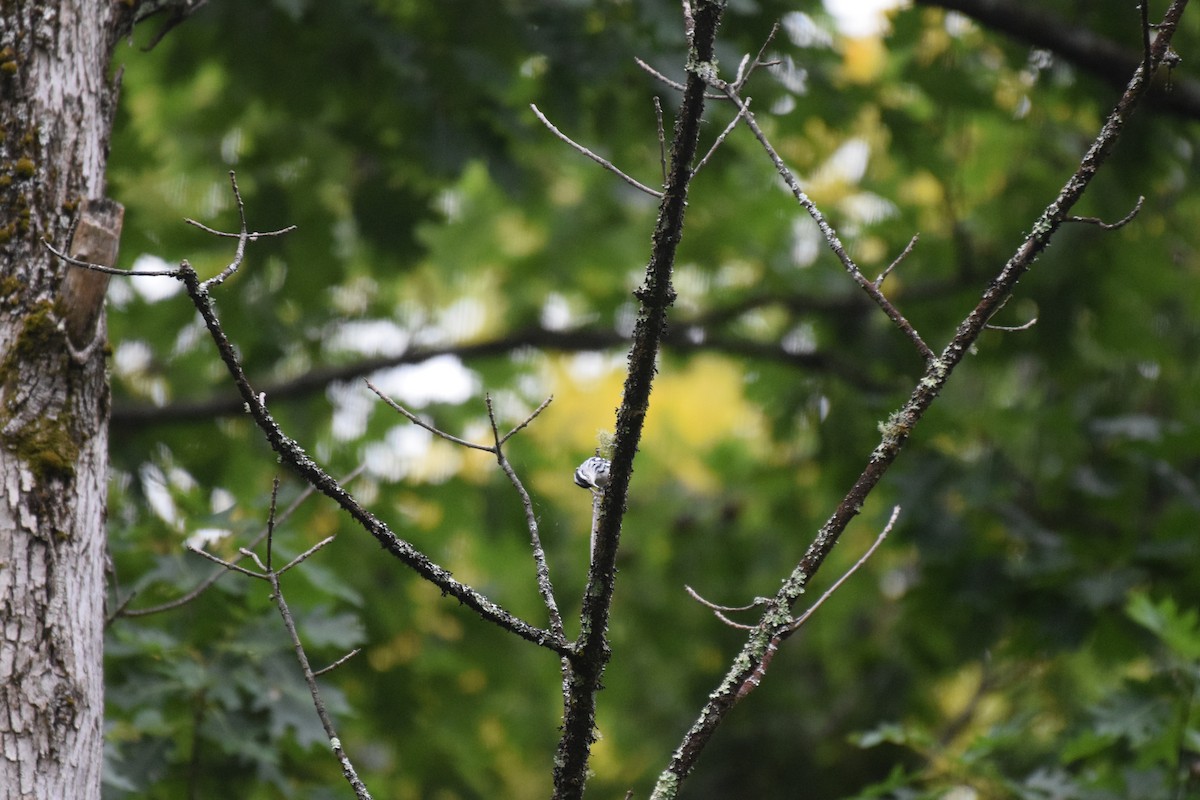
<point x="604" y="162"/>
<point x="291" y="454"/>
<point x="831" y="237"/>
<point x="777" y="619"/>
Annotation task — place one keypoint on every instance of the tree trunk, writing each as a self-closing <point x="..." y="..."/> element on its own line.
<point x="55" y="117"/>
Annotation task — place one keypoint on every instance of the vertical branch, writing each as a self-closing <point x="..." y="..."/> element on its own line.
<point x="656" y="295"/>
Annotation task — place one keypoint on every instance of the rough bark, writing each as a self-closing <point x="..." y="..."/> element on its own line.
<point x="56" y="98"/>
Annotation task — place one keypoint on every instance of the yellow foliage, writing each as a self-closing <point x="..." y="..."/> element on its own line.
<point x="691" y="411"/>
<point x="863" y="59"/>
<point x="516" y="236"/>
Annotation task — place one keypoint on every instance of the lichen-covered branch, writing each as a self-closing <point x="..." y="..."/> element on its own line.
<point x="777" y="619"/>
<point x="656" y="295"/>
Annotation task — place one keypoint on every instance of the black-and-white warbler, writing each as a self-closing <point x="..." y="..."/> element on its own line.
<point x="593" y="474"/>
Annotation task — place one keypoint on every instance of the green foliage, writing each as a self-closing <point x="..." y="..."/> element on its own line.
<point x="1029" y="629"/>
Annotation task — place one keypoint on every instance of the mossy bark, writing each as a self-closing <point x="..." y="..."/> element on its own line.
<point x="55" y="117"/>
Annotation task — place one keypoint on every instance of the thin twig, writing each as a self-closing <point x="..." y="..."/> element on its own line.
<point x="758" y="601"/>
<point x="743" y="73"/>
<point x="414" y="419"/>
<point x="124" y="273"/>
<point x="721" y="139"/>
<point x="226" y="564"/>
<point x="1012" y="328"/>
<point x="290" y="453"/>
<point x="857" y="564"/>
<point x="216" y="574"/>
<point x="318" y="673"/>
<point x="720" y="611"/>
<point x="608" y="165"/>
<point x="243" y="236"/>
<point x="525" y="422"/>
<point x="1112" y="226"/>
<point x="676" y="85"/>
<point x="541" y="566"/>
<point x="831" y="237"/>
<point x="272" y="576"/>
<point x="903" y="255"/>
<point x="306" y="554"/>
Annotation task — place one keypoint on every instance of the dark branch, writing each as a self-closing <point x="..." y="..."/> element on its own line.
<point x="1109" y="61"/>
<point x="291" y="454"/>
<point x="591" y="653"/>
<point x="315" y="381"/>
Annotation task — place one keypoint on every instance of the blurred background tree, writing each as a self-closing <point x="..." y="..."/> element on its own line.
<point x="1029" y="630"/>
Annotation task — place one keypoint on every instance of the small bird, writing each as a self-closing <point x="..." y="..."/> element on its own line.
<point x="593" y="474"/>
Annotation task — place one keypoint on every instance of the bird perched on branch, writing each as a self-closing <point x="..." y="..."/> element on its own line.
<point x="593" y="474"/>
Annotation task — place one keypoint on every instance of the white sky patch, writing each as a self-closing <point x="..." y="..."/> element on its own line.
<point x="804" y="31"/>
<point x="131" y="357"/>
<point x="369" y="337"/>
<point x="158" y="496"/>
<point x="588" y="367"/>
<point x="411" y="452"/>
<point x="868" y="208"/>
<point x="205" y="537"/>
<point x="221" y="500"/>
<point x="847" y="164"/>
<point x="861" y="18"/>
<point x="806" y="241"/>
<point x="151" y="288"/>
<point x="351" y="408"/>
<point x="442" y="379"/>
<point x="556" y="312"/>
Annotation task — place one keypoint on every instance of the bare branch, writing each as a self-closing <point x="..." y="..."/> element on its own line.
<point x="243" y="236"/>
<point x="521" y="426"/>
<point x="831" y="237"/>
<point x="764" y="639"/>
<point x="271" y="576"/>
<point x="1112" y="226"/>
<point x="541" y="566"/>
<point x="608" y="165"/>
<point x="310" y="677"/>
<point x="414" y="419"/>
<point x="903" y="255"/>
<point x="124" y="273"/>
<point x="291" y="454"/>
<point x="721" y="139"/>
<point x="318" y="673"/>
<point x="591" y="653"/>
